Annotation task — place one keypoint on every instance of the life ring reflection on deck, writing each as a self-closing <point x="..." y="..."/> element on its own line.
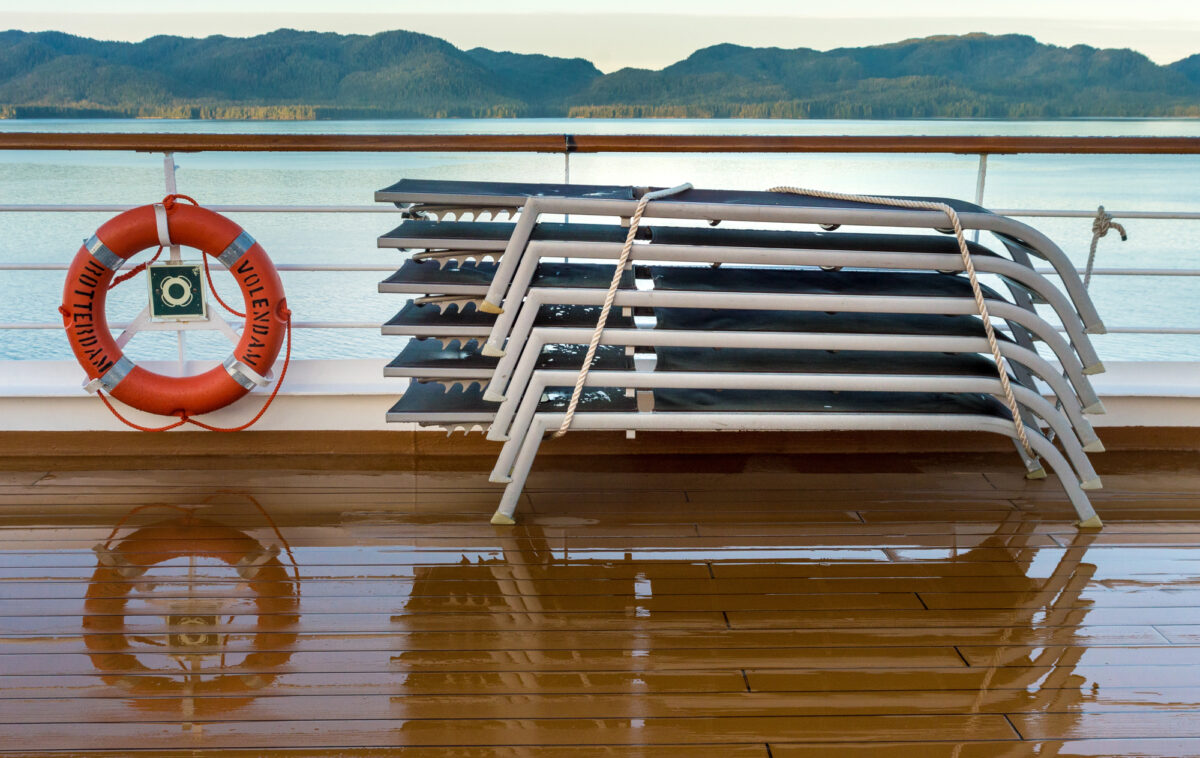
<point x="124" y="574"/>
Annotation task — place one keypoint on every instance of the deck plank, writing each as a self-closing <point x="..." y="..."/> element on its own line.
<point x="758" y="750"/>
<point x="511" y="621"/>
<point x="454" y="603"/>
<point x="942" y="618"/>
<point x="500" y="730"/>
<point x="336" y="684"/>
<point x="341" y="661"/>
<point x="1153" y="747"/>
<point x="653" y="638"/>
<point x="106" y="710"/>
<point x="973" y="679"/>
<point x="1049" y="726"/>
<point x="212" y="584"/>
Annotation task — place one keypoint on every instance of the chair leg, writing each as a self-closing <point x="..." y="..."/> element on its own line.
<point x="520" y="473"/>
<point x="1066" y="478"/>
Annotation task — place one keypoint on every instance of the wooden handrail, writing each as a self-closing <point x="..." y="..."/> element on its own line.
<point x="593" y="143"/>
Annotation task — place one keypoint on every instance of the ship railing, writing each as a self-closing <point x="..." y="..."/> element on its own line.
<point x="169" y="144"/>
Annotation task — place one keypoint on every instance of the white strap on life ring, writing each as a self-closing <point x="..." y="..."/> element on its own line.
<point x="244" y="375"/>
<point x="160" y="221"/>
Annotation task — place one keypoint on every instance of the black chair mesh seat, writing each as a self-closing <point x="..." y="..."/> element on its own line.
<point x="785" y="401"/>
<point x="491" y="235"/>
<point x="809" y="282"/>
<point x="434" y="404"/>
<point x="818" y="322"/>
<point x="494" y="194"/>
<point x="433" y="356"/>
<point x="413" y="318"/>
<point x="751" y="360"/>
<point x="448" y="234"/>
<point x="427" y="277"/>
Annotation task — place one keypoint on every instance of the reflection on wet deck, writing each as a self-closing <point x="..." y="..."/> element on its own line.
<point x="772" y="612"/>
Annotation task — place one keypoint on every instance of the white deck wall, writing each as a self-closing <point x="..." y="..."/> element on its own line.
<point x="354" y="395"/>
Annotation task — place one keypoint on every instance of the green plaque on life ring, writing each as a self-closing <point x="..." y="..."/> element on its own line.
<point x="177" y="292"/>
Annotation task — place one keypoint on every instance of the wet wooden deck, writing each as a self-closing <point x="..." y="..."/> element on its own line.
<point x="748" y="605"/>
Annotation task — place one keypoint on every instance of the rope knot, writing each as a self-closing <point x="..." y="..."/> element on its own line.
<point x="1100" y="226"/>
<point x="1103" y="222"/>
<point x="169" y="201"/>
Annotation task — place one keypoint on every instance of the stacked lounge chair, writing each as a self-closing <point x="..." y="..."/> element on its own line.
<point x="729" y="329"/>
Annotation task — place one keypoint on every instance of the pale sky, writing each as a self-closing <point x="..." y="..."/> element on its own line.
<point x="645" y="33"/>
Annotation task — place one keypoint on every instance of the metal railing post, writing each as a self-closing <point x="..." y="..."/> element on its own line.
<point x="980" y="181"/>
<point x="175" y="255"/>
<point x="169" y="180"/>
<point x="568" y="145"/>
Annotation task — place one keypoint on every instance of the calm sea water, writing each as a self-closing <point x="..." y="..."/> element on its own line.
<point x="1061" y="182"/>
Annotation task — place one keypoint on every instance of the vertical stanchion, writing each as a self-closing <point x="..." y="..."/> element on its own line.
<point x="980" y="180"/>
<point x="568" y="142"/>
<point x="175" y="256"/>
<point x="169" y="179"/>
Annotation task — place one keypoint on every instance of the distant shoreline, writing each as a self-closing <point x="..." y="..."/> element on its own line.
<point x="40" y="113"/>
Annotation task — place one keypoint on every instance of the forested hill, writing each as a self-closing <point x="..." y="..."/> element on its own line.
<point x="291" y="74"/>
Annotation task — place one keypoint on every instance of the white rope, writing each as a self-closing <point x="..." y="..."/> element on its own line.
<point x="609" y="297"/>
<point x="1100" y="226"/>
<point x="968" y="265"/>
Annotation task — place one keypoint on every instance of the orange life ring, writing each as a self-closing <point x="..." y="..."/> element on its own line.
<point x="122" y="237"/>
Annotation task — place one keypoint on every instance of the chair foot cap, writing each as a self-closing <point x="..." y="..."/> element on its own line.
<point x="1092" y="523"/>
<point x="500" y="519"/>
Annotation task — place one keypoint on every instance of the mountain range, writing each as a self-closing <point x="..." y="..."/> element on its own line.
<point x="400" y="74"/>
